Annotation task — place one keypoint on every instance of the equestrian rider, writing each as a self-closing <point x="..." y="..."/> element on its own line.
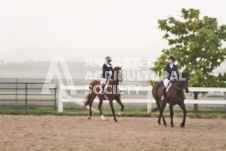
<point x="172" y="74"/>
<point x="107" y="72"/>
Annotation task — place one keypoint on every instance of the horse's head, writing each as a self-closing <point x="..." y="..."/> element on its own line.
<point x="185" y="82"/>
<point x="118" y="74"/>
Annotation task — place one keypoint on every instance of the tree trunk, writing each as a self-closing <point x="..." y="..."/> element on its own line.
<point x="196" y="105"/>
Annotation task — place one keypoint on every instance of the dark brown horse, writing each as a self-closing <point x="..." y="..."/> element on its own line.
<point x="175" y="95"/>
<point x="111" y="93"/>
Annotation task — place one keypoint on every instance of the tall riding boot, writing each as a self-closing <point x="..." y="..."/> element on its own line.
<point x="163" y="93"/>
<point x="102" y="90"/>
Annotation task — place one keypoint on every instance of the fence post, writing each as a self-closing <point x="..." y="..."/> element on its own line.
<point x="225" y="105"/>
<point x="149" y="104"/>
<point x="16" y="94"/>
<point x="26" y="97"/>
<point x="55" y="98"/>
<point x="60" y="103"/>
<point x="196" y="105"/>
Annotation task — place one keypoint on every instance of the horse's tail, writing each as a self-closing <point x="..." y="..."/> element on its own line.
<point x="155" y="109"/>
<point x="155" y="95"/>
<point x="88" y="100"/>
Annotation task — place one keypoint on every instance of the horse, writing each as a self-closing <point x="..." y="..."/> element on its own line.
<point x="111" y="93"/>
<point x="175" y="95"/>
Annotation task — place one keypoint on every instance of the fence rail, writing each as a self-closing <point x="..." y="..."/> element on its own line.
<point x="16" y="95"/>
<point x="63" y="97"/>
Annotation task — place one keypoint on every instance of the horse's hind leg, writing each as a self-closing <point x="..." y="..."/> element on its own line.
<point x="112" y="109"/>
<point x="122" y="106"/>
<point x="160" y="111"/>
<point x="162" y="107"/>
<point x="182" y="106"/>
<point x="163" y="118"/>
<point x="92" y="97"/>
<point x="171" y="115"/>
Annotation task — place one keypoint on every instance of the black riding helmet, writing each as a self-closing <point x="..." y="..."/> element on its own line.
<point x="171" y="57"/>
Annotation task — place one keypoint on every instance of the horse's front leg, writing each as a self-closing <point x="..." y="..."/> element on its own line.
<point x="122" y="106"/>
<point x="100" y="109"/>
<point x="171" y="115"/>
<point x="182" y="106"/>
<point x="112" y="109"/>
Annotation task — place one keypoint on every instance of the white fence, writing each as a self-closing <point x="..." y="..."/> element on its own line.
<point x="64" y="97"/>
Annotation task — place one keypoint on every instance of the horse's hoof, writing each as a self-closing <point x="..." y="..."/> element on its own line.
<point x="159" y="123"/>
<point x="102" y="117"/>
<point x="165" y="124"/>
<point x="89" y="117"/>
<point x="116" y="120"/>
<point x="172" y="125"/>
<point x="119" y="114"/>
<point x="182" y="125"/>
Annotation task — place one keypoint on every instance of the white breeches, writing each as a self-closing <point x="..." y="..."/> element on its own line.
<point x="166" y="82"/>
<point x="103" y="81"/>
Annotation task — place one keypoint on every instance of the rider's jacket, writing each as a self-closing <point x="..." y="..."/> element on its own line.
<point x="107" y="71"/>
<point x="172" y="73"/>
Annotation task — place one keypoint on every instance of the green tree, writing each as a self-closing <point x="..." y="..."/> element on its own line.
<point x="196" y="43"/>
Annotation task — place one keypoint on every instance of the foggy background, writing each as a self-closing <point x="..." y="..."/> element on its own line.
<point x="34" y="32"/>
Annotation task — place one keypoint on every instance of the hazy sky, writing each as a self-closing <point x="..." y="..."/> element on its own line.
<point x="42" y="29"/>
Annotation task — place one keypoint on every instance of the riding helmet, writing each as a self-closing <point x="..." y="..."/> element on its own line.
<point x="108" y="58"/>
<point x="171" y="57"/>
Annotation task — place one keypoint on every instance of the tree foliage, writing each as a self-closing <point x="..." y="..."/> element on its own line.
<point x="196" y="43"/>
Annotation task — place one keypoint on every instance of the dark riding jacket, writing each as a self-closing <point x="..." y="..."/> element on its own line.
<point x="107" y="71"/>
<point x="172" y="74"/>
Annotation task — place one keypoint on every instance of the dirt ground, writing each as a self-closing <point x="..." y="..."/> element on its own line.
<point x="63" y="133"/>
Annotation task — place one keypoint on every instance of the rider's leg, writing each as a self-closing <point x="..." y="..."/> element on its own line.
<point x="102" y="83"/>
<point x="102" y="90"/>
<point x="165" y="83"/>
<point x="164" y="91"/>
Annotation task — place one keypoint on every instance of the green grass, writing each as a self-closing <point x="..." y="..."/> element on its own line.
<point x="130" y="111"/>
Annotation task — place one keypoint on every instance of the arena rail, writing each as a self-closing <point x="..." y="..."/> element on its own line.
<point x="64" y="97"/>
<point x="23" y="96"/>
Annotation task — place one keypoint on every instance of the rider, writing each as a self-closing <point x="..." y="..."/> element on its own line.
<point x="107" y="72"/>
<point x="172" y="74"/>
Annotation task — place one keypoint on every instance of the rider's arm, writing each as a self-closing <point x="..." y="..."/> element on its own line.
<point x="104" y="69"/>
<point x="112" y="71"/>
<point x="177" y="72"/>
<point x="167" y="70"/>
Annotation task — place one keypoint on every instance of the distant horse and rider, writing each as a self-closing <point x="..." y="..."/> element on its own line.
<point x="170" y="90"/>
<point x="106" y="89"/>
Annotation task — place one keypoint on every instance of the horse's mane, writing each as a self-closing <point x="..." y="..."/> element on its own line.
<point x="117" y="68"/>
<point x="179" y="91"/>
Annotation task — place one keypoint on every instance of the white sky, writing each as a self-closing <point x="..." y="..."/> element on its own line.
<point x="42" y="29"/>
